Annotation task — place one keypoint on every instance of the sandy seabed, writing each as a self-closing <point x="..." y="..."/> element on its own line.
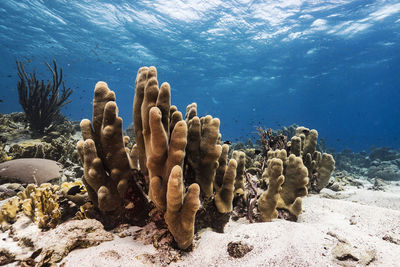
<point x="355" y="227"/>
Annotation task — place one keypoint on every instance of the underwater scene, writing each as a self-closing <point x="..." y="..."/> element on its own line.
<point x="200" y="133"/>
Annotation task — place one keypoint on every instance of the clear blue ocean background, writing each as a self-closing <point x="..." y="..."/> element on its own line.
<point x="330" y="65"/>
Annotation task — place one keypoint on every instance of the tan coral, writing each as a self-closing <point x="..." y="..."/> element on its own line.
<point x="222" y="165"/>
<point x="207" y="161"/>
<point x="224" y="194"/>
<point x="181" y="208"/>
<point x="203" y="151"/>
<point x="191" y="112"/>
<point x="324" y="168"/>
<point x="106" y="165"/>
<point x="162" y="157"/>
<point x="295" y="179"/>
<point x="224" y="181"/>
<point x="320" y="165"/>
<point x="240" y="157"/>
<point x="164" y="136"/>
<point x="45" y="201"/>
<point x="292" y="189"/>
<point x="295" y="185"/>
<point x="39" y="203"/>
<point x="8" y="212"/>
<point x="158" y="153"/>
<point x="267" y="203"/>
<point x="308" y="138"/>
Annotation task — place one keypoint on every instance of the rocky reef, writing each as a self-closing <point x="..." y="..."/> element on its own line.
<point x="381" y="163"/>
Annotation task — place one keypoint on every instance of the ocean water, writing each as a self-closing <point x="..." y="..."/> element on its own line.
<point x="330" y="65"/>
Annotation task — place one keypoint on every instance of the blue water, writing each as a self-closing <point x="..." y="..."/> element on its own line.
<point x="329" y="65"/>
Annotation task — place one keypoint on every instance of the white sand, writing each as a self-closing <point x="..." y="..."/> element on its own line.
<point x="357" y="223"/>
<point x="324" y="224"/>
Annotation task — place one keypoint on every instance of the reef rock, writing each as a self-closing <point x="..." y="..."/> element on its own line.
<point x="9" y="190"/>
<point x="385" y="170"/>
<point x="13" y="127"/>
<point x="52" y="246"/>
<point x="238" y="249"/>
<point x="355" y="163"/>
<point x="383" y="153"/>
<point x="30" y="171"/>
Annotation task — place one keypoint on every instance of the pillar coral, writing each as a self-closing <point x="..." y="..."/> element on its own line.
<point x="107" y="171"/>
<point x="240" y="157"/>
<point x="320" y="165"/>
<point x="287" y="177"/>
<point x="207" y="161"/>
<point x="161" y="144"/>
<point x="269" y="199"/>
<point x="163" y="139"/>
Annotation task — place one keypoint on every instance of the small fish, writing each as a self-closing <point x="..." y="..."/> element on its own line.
<point x="1" y="100"/>
<point x="228" y="142"/>
<point x="75" y="190"/>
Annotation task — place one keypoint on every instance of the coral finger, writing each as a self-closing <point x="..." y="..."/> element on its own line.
<point x="102" y="95"/>
<point x="175" y="190"/>
<point x="89" y="152"/>
<point x="229" y="176"/>
<point x="191" y="204"/>
<point x="176" y="152"/>
<point x="110" y="113"/>
<point x="156" y="193"/>
<point x="176" y="116"/>
<point x="141" y="74"/>
<point x="86" y="129"/>
<point x="79" y="148"/>
<point x="164" y="103"/>
<point x="159" y="140"/>
<point x="224" y="198"/>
